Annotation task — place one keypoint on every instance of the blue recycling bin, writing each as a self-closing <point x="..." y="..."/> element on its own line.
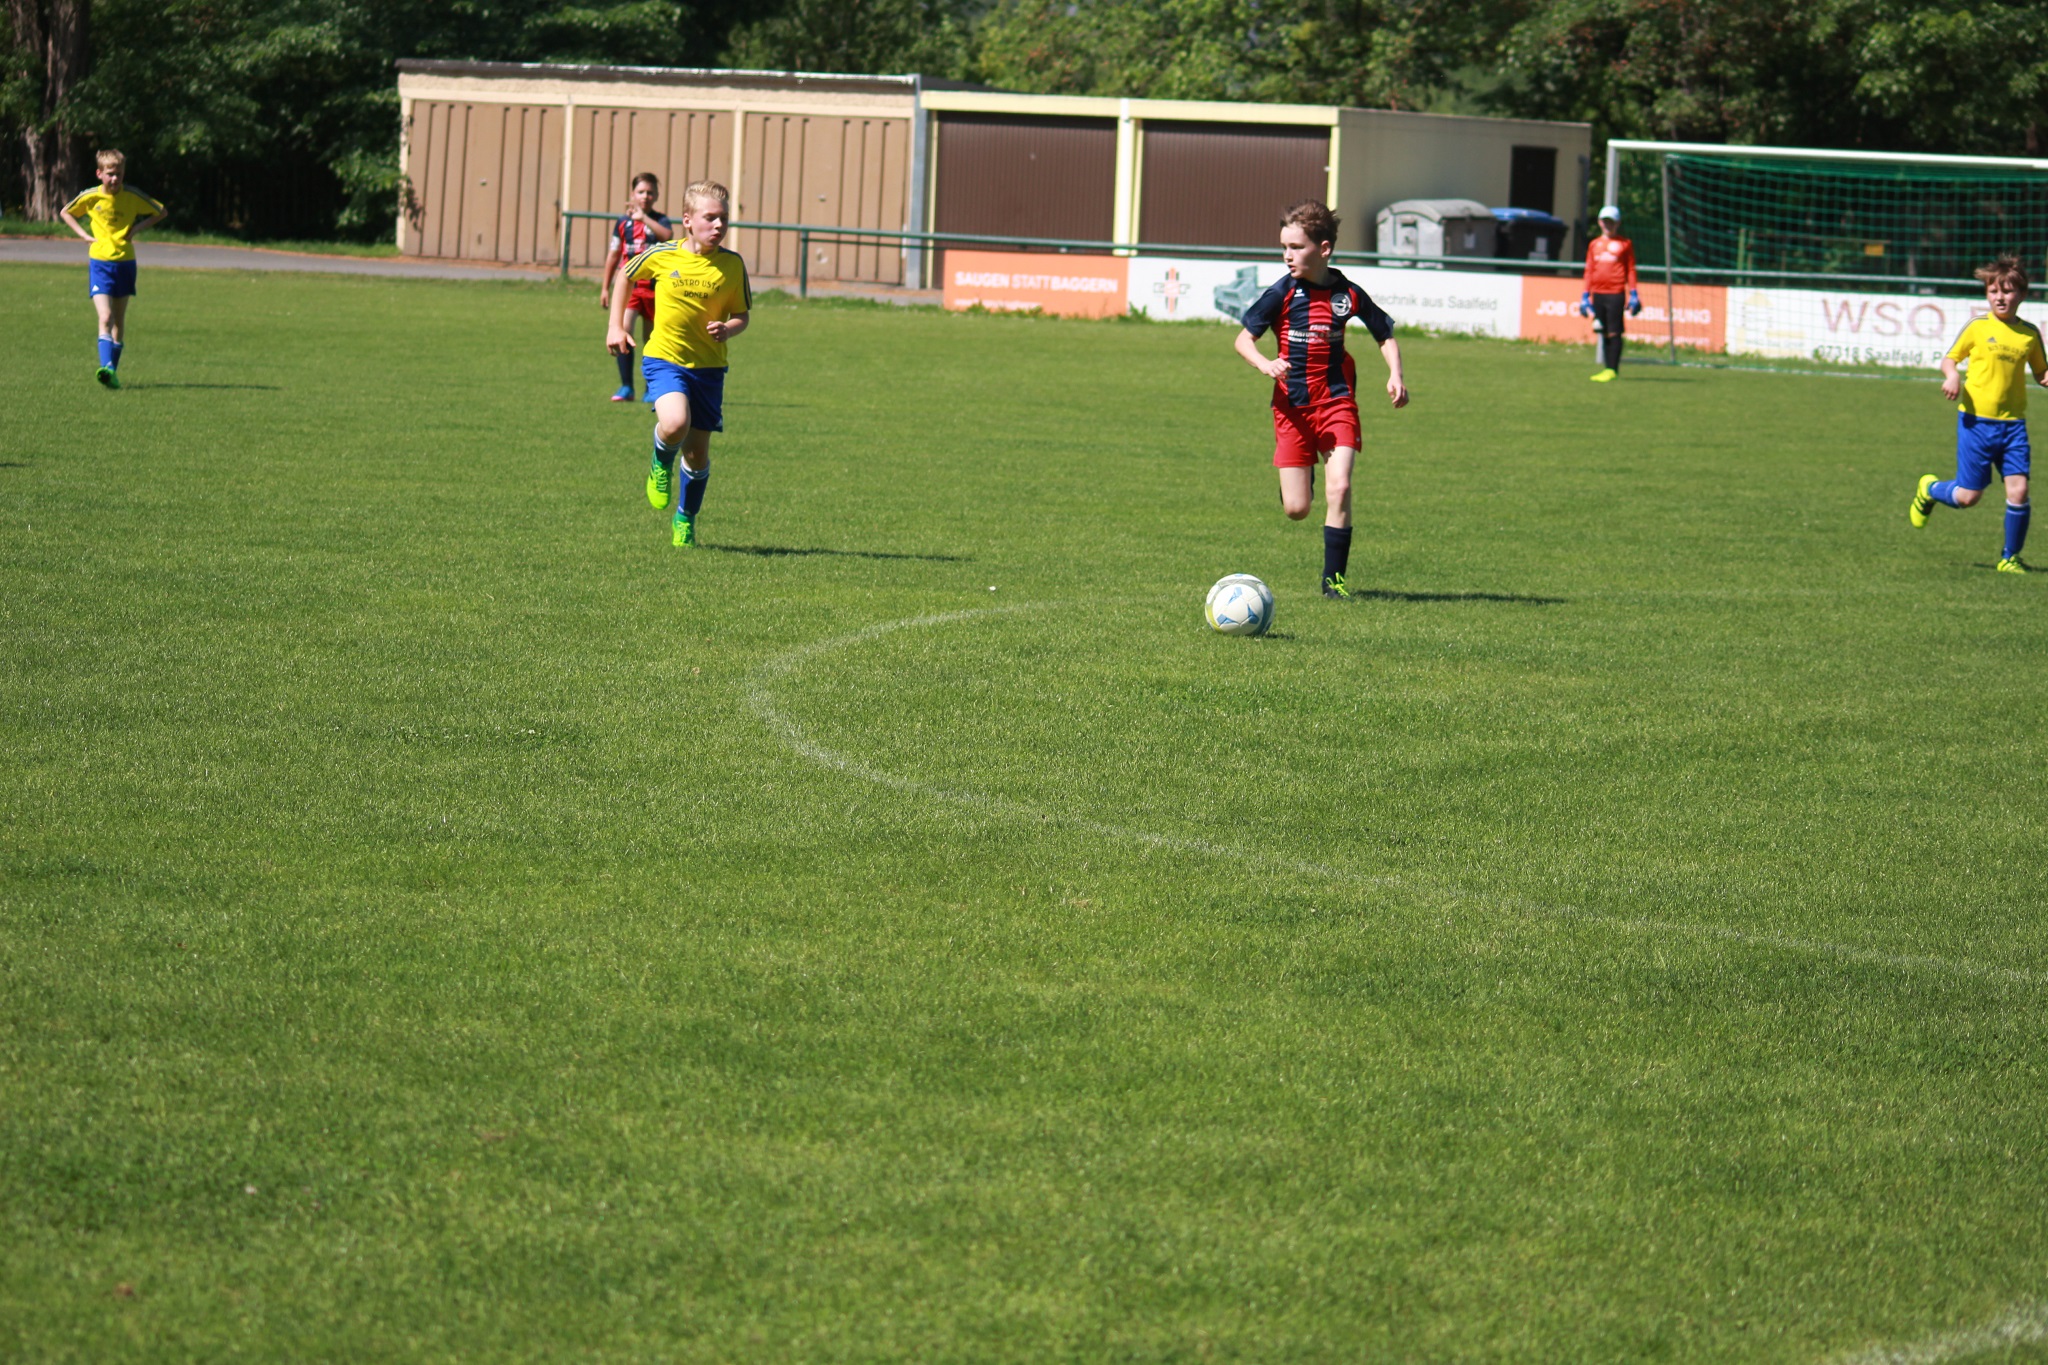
<point x="1528" y="235"/>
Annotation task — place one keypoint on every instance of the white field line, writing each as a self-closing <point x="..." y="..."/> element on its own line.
<point x="2025" y="1325"/>
<point x="762" y="701"/>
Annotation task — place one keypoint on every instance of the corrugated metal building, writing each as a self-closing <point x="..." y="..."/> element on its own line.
<point x="494" y="152"/>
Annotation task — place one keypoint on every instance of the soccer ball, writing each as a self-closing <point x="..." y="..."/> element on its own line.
<point x="1240" y="605"/>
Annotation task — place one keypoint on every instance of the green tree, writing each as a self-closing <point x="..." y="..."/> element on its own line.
<point x="923" y="37"/>
<point x="1398" y="54"/>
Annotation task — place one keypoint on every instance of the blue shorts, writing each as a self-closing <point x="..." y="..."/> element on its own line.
<point x="1983" y="443"/>
<point x="705" y="389"/>
<point x="115" y="279"/>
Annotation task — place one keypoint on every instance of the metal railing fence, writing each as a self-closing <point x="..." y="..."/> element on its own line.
<point x="808" y="233"/>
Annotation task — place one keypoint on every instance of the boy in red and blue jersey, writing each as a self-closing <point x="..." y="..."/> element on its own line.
<point x="640" y="228"/>
<point x="1315" y="408"/>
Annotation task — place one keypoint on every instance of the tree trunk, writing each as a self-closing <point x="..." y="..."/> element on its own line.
<point x="54" y="34"/>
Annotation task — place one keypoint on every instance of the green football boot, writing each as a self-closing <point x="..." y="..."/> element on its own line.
<point x="1335" y="587"/>
<point x="683" y="530"/>
<point x="1922" y="504"/>
<point x="661" y="482"/>
<point x="108" y="376"/>
<point x="1606" y="376"/>
<point x="2013" y="564"/>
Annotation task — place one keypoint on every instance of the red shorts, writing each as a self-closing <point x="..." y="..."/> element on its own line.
<point x="641" y="300"/>
<point x="1302" y="435"/>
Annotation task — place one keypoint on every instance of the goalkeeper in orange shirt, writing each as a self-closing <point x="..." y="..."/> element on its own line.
<point x="1610" y="287"/>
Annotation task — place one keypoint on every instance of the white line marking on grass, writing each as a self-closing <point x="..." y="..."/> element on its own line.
<point x="782" y="665"/>
<point x="2025" y="1325"/>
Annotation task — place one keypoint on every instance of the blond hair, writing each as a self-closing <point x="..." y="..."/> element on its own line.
<point x="110" y="157"/>
<point x="2006" y="270"/>
<point x="705" y="189"/>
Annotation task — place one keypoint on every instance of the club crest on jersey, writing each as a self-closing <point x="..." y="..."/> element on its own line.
<point x="1341" y="305"/>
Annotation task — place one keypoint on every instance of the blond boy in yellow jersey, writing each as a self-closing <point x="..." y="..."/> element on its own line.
<point x="117" y="213"/>
<point x="1991" y="418"/>
<point x="701" y="301"/>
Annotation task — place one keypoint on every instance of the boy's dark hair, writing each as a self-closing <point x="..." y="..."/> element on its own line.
<point x="1313" y="217"/>
<point x="648" y="178"/>
<point x="2005" y="270"/>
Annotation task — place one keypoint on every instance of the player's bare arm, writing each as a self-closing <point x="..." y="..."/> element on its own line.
<point x="617" y="339"/>
<point x="725" y="329"/>
<point x="658" y="230"/>
<point x="1396" y="390"/>
<point x="75" y="225"/>
<point x="1248" y="347"/>
<point x="1951" y="379"/>
<point x="612" y="263"/>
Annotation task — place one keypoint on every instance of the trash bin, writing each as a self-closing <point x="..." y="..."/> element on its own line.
<point x="1528" y="235"/>
<point x="1437" y="227"/>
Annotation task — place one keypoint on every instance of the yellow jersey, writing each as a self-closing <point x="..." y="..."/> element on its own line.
<point x="689" y="291"/>
<point x="1999" y="356"/>
<point x="113" y="218"/>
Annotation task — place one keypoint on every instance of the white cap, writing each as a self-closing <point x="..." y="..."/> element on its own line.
<point x="1610" y="211"/>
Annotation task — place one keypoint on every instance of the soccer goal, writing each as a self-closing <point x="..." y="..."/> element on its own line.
<point x="1770" y="255"/>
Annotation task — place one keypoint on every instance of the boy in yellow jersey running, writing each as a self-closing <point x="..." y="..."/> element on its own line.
<point x="1991" y="425"/>
<point x="117" y="214"/>
<point x="701" y="301"/>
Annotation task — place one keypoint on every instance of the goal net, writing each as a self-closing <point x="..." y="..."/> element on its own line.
<point x="1862" y="259"/>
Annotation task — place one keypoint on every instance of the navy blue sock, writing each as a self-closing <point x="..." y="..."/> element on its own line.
<point x="695" y="481"/>
<point x="625" y="369"/>
<point x="1336" y="551"/>
<point x="2016" y="519"/>
<point x="1943" y="492"/>
<point x="665" y="456"/>
<point x="108" y="353"/>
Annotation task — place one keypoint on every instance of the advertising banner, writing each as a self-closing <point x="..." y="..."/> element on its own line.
<point x="1550" y="312"/>
<point x="1016" y="281"/>
<point x="1174" y="290"/>
<point x="1448" y="301"/>
<point x="1866" y="329"/>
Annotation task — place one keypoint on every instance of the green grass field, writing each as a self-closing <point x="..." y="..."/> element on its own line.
<point x="438" y="919"/>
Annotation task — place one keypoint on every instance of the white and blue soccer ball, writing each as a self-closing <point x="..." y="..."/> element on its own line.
<point x="1240" y="605"/>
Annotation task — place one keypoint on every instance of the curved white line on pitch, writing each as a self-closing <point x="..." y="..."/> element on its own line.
<point x="793" y="735"/>
<point x="2025" y="1325"/>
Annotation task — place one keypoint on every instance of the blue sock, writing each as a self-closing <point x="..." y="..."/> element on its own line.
<point x="116" y="361"/>
<point x="1943" y="492"/>
<point x="2016" y="519"/>
<point x="665" y="456"/>
<point x="695" y="481"/>
<point x="108" y="352"/>
<point x="625" y="370"/>
<point x="1336" y="550"/>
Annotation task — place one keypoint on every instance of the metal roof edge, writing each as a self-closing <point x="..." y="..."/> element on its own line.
<point x="681" y="75"/>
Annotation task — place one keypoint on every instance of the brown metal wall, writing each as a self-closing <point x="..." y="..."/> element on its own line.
<point x="1019" y="176"/>
<point x="1225" y="184"/>
<point x="485" y="179"/>
<point x="614" y="145"/>
<point x="835" y="172"/>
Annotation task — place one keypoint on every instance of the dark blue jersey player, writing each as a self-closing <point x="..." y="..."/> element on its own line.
<point x="1315" y="408"/>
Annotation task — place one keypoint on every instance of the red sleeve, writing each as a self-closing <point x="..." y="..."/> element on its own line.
<point x="1586" y="283"/>
<point x="1628" y="262"/>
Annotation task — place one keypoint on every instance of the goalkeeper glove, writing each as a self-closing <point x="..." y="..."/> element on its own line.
<point x="1585" y="305"/>
<point x="1635" y="305"/>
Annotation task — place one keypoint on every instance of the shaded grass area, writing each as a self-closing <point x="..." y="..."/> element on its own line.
<point x="437" y="918"/>
<point x="22" y="227"/>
